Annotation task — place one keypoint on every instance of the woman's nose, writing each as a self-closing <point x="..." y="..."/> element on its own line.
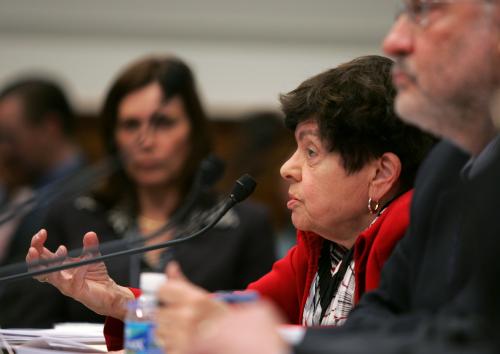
<point x="146" y="136"/>
<point x="290" y="170"/>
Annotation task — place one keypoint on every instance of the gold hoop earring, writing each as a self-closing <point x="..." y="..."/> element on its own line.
<point x="373" y="206"/>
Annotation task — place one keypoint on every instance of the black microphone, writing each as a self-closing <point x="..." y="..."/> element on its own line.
<point x="243" y="187"/>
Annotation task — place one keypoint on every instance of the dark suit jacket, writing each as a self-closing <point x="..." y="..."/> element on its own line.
<point x="20" y="300"/>
<point x="429" y="286"/>
<point x="231" y="255"/>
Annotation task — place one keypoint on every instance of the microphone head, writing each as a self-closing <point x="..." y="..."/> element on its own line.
<point x="244" y="186"/>
<point x="211" y="170"/>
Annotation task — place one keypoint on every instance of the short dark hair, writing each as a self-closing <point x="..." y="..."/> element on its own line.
<point x="353" y="105"/>
<point x="40" y="97"/>
<point x="175" y="79"/>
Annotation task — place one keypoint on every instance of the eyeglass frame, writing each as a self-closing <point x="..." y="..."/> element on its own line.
<point x="420" y="16"/>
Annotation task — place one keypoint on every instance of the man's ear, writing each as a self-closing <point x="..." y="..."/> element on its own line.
<point x="385" y="182"/>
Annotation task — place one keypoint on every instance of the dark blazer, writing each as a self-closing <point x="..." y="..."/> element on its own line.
<point x="239" y="250"/>
<point x="429" y="286"/>
<point x="20" y="300"/>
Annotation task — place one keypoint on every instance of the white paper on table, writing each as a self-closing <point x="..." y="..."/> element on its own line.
<point x="49" y="345"/>
<point x="77" y="332"/>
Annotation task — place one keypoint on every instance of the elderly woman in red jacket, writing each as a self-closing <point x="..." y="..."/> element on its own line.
<point x="350" y="182"/>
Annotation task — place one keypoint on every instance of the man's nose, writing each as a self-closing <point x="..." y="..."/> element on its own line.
<point x="399" y="41"/>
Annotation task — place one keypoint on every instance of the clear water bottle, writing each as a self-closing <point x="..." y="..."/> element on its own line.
<point x="140" y="324"/>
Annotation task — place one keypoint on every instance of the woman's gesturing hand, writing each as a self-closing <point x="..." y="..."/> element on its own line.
<point x="89" y="284"/>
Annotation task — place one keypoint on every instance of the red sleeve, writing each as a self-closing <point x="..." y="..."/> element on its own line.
<point x="113" y="329"/>
<point x="284" y="284"/>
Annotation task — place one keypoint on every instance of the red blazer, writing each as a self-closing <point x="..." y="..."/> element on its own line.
<point x="287" y="284"/>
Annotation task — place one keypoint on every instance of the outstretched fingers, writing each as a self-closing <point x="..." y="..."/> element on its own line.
<point x="90" y="244"/>
<point x="61" y="255"/>
<point x="37" y="247"/>
<point x="38" y="253"/>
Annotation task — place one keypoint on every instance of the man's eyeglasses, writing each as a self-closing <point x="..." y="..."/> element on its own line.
<point x="418" y="11"/>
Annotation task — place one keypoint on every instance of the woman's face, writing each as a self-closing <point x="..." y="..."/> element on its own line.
<point x="152" y="137"/>
<point x="323" y="197"/>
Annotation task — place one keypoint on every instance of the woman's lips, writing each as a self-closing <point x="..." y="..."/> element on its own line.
<point x="292" y="201"/>
<point x="148" y="165"/>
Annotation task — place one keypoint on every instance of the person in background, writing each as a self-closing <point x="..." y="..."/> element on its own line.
<point x="154" y="122"/>
<point x="38" y="149"/>
<point x="14" y="193"/>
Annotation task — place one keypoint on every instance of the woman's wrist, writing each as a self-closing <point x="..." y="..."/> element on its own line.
<point x="121" y="296"/>
<point x="113" y="303"/>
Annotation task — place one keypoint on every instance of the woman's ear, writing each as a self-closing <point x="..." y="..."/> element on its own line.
<point x="385" y="182"/>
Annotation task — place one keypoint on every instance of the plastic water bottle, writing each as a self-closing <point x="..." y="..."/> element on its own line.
<point x="140" y="325"/>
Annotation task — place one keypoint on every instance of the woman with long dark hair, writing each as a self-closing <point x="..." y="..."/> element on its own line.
<point x="154" y="122"/>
